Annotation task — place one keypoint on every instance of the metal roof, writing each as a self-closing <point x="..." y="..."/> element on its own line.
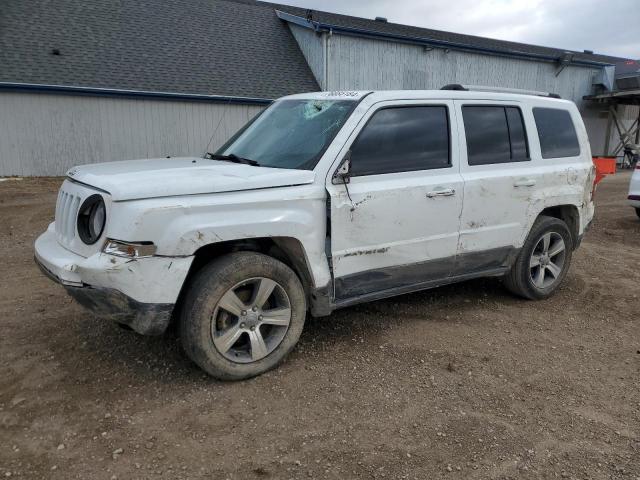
<point x="628" y="67"/>
<point x="623" y="97"/>
<point x="389" y="30"/>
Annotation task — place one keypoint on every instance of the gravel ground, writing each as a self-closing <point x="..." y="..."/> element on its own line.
<point x="460" y="382"/>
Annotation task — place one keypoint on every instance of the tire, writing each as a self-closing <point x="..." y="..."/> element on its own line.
<point x="638" y="212"/>
<point x="229" y="341"/>
<point x="524" y="279"/>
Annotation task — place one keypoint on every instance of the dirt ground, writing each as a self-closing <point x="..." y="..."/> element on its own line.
<point x="461" y="382"/>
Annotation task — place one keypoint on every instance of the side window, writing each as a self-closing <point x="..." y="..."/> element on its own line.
<point x="494" y="134"/>
<point x="556" y="132"/>
<point x="402" y="139"/>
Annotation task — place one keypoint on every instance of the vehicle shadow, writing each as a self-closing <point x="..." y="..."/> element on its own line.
<point x="388" y="313"/>
<point x="108" y="351"/>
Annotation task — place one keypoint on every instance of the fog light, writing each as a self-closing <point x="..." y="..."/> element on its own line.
<point x="129" y="249"/>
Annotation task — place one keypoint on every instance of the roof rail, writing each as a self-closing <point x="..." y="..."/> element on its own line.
<point x="481" y="88"/>
<point x="454" y="86"/>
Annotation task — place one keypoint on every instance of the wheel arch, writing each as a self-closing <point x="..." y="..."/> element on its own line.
<point x="570" y="215"/>
<point x="288" y="250"/>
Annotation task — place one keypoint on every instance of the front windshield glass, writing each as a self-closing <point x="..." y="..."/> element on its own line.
<point x="290" y="133"/>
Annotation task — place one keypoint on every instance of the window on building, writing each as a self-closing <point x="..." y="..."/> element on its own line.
<point x="494" y="134"/>
<point x="402" y="139"/>
<point x="556" y="132"/>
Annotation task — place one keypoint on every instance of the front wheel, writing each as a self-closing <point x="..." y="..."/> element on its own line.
<point x="638" y="212"/>
<point x="243" y="314"/>
<point x="543" y="261"/>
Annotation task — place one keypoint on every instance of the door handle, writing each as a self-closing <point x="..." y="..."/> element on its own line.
<point x="524" y="182"/>
<point x="445" y="192"/>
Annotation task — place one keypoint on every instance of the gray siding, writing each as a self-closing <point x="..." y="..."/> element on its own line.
<point x="312" y="49"/>
<point x="46" y="134"/>
<point x="357" y="63"/>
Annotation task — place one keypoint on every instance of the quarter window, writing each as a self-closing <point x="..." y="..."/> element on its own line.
<point x="494" y="134"/>
<point x="402" y="139"/>
<point x="556" y="132"/>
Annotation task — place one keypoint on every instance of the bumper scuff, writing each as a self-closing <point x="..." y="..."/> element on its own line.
<point x="140" y="293"/>
<point x="144" y="318"/>
<point x="108" y="303"/>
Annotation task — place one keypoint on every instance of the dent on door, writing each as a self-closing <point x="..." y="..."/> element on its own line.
<point x="396" y="223"/>
<point x="393" y="234"/>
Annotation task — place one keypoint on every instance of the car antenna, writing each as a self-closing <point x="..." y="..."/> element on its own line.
<point x="224" y="113"/>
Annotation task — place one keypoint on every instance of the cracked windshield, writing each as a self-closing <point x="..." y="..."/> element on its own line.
<point x="290" y="133"/>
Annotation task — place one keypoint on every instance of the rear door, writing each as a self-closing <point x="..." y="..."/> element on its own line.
<point x="499" y="178"/>
<point x="395" y="224"/>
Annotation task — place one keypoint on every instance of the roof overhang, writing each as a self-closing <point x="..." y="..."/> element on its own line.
<point x="319" y="27"/>
<point x="623" y="97"/>
<point x="114" y="92"/>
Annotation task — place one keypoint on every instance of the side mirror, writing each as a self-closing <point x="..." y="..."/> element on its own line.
<point x="341" y="175"/>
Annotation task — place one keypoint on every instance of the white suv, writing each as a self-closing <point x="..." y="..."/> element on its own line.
<point x="634" y="189"/>
<point x="325" y="200"/>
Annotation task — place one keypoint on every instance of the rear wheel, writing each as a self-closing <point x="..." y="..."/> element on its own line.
<point x="638" y="212"/>
<point x="543" y="261"/>
<point x="243" y="314"/>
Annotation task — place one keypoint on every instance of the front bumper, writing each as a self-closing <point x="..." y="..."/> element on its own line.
<point x="140" y="293"/>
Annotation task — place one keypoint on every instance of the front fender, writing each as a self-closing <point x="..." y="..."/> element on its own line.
<point x="179" y="226"/>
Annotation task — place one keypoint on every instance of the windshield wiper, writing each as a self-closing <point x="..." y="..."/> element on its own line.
<point x="232" y="158"/>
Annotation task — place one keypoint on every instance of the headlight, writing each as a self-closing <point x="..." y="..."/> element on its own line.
<point x="129" y="249"/>
<point x="91" y="219"/>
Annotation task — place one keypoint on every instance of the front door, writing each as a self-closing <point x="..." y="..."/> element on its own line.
<point x="394" y="226"/>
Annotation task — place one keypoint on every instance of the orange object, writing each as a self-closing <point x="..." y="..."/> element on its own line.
<point x="604" y="166"/>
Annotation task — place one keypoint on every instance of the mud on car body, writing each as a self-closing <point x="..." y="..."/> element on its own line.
<point x="325" y="200"/>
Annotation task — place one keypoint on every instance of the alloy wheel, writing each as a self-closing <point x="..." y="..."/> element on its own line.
<point x="547" y="260"/>
<point x="251" y="320"/>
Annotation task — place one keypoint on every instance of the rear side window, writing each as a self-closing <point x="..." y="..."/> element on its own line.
<point x="494" y="134"/>
<point x="556" y="132"/>
<point x="402" y="139"/>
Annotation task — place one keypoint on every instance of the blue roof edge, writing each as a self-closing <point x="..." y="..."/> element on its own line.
<point x="114" y="92"/>
<point x="326" y="27"/>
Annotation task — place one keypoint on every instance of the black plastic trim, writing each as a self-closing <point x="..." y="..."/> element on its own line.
<point x="108" y="303"/>
<point x="144" y="318"/>
<point x="398" y="279"/>
<point x="454" y="86"/>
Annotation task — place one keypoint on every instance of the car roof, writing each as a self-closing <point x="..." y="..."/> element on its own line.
<point x="375" y="96"/>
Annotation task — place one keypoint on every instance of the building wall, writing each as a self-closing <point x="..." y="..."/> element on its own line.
<point x="312" y="48"/>
<point x="360" y="63"/>
<point x="357" y="63"/>
<point x="46" y="134"/>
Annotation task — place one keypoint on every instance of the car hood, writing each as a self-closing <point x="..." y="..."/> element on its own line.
<point x="163" y="177"/>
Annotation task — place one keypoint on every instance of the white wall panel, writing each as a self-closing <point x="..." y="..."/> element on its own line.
<point x="357" y="63"/>
<point x="46" y="134"/>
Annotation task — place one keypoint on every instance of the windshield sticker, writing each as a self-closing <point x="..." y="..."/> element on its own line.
<point x="343" y="93"/>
